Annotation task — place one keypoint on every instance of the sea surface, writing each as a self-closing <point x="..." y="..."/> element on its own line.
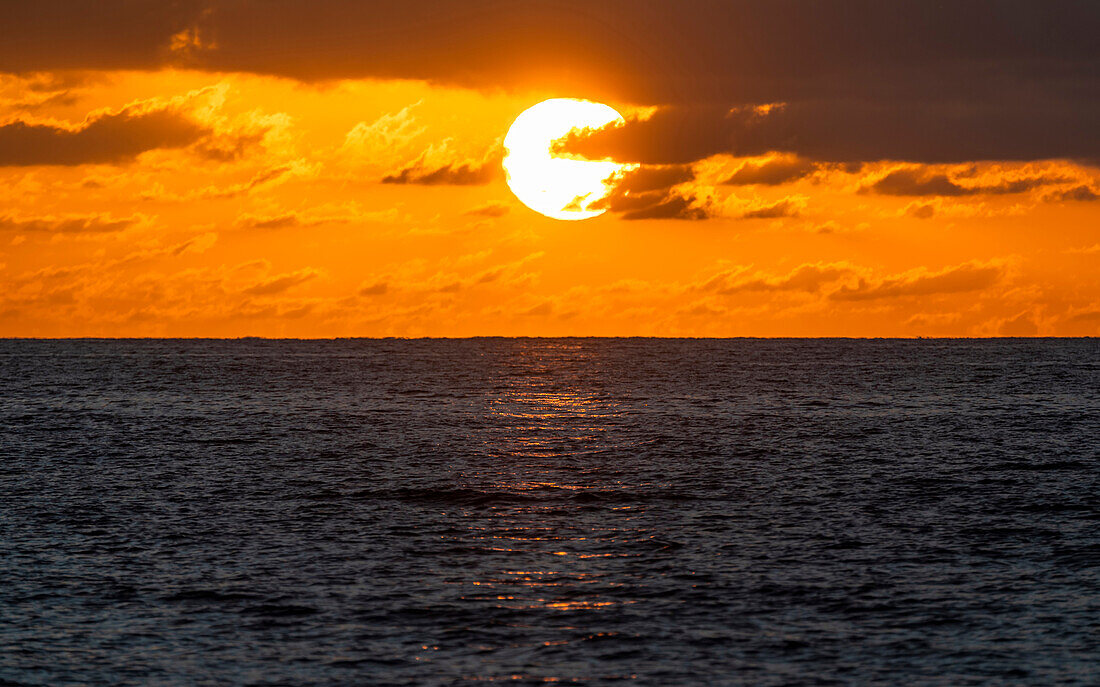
<point x="527" y="511"/>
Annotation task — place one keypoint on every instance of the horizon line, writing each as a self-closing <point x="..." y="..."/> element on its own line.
<point x="536" y="337"/>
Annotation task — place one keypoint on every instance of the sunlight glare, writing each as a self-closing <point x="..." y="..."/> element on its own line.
<point x="558" y="187"/>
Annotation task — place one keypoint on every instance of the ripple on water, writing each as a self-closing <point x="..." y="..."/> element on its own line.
<point x="585" y="510"/>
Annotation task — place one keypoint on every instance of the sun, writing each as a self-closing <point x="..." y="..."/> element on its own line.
<point x="557" y="187"/>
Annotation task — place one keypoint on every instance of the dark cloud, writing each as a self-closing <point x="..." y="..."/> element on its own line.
<point x="671" y="136"/>
<point x="914" y="182"/>
<point x="110" y="34"/>
<point x="107" y="138"/>
<point x="847" y="130"/>
<point x="971" y="276"/>
<point x="467" y="174"/>
<point x="652" y="178"/>
<point x="674" y="206"/>
<point x="69" y="224"/>
<point x="656" y="192"/>
<point x="917" y="182"/>
<point x="862" y="79"/>
<point x="1080" y="193"/>
<point x="693" y="50"/>
<point x="290" y="219"/>
<point x="648" y="192"/>
<point x="783" y="208"/>
<point x="772" y="172"/>
<point x="470" y="173"/>
<point x="286" y="220"/>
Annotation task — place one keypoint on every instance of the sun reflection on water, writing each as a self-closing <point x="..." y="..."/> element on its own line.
<point x="555" y="539"/>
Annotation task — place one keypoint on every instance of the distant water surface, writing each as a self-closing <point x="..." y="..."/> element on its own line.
<point x="720" y="512"/>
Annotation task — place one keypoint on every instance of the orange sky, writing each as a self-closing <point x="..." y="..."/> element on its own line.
<point x="175" y="200"/>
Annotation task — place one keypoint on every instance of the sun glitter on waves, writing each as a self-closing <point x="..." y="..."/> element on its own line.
<point x="558" y="187"/>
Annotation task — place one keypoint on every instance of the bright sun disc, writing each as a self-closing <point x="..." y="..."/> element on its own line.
<point x="557" y="187"/>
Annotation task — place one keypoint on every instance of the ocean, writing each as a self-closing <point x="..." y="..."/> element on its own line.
<point x="528" y="511"/>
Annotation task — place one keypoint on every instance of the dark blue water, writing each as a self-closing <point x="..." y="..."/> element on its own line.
<point x="593" y="511"/>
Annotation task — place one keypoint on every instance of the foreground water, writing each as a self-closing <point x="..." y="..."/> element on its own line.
<point x="662" y="511"/>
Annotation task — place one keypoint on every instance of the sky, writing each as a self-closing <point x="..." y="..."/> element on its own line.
<point x="333" y="168"/>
